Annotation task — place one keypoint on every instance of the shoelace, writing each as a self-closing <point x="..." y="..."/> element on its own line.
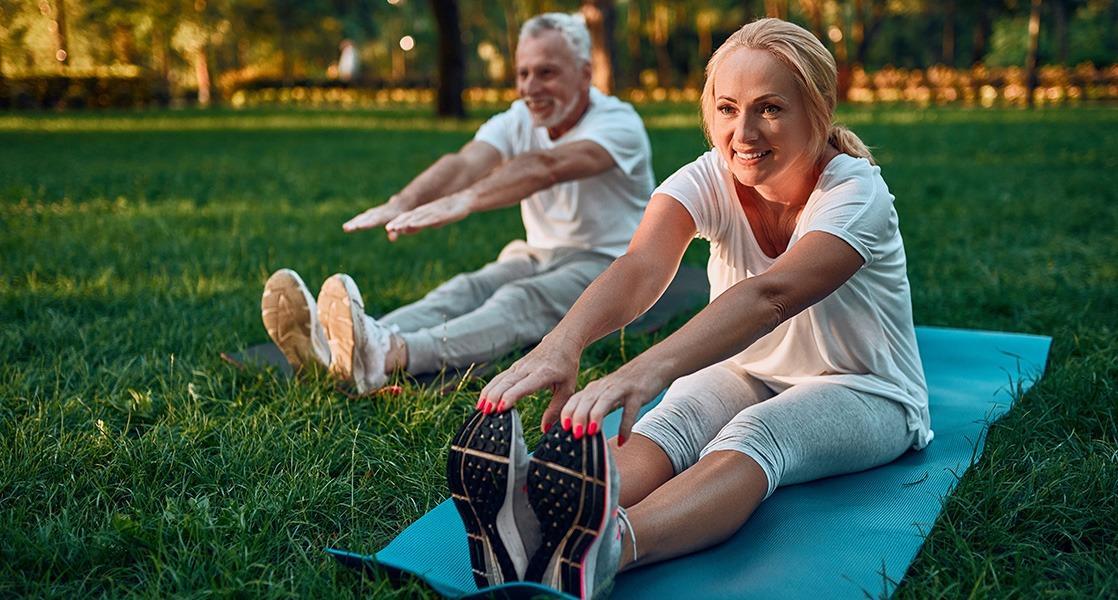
<point x="623" y="517"/>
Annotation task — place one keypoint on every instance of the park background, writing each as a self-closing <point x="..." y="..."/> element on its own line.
<point x="159" y="159"/>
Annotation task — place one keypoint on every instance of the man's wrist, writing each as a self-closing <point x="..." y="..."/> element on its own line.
<point x="402" y="201"/>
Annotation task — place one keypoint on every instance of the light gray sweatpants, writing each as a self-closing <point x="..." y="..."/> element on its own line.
<point x="806" y="432"/>
<point x="507" y="304"/>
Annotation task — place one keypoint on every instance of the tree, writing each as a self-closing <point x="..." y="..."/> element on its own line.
<point x="1031" y="56"/>
<point x="600" y="18"/>
<point x="452" y="62"/>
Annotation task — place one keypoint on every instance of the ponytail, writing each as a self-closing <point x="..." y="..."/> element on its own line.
<point x="847" y="142"/>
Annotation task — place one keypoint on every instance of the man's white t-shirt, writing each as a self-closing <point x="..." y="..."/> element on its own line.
<point x="597" y="213"/>
<point x="862" y="335"/>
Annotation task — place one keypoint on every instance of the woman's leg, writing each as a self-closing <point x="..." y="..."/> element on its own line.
<point x="807" y="432"/>
<point x="696" y="509"/>
<point x="668" y="440"/>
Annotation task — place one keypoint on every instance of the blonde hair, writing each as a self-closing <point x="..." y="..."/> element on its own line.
<point x="813" y="69"/>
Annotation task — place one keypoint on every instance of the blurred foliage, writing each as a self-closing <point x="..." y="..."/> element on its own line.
<point x="230" y="45"/>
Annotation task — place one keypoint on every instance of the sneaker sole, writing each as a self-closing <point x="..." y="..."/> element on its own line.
<point x="479" y="474"/>
<point x="338" y="312"/>
<point x="568" y="488"/>
<point x="285" y="308"/>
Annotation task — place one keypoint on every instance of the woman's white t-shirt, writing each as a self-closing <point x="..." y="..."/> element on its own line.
<point x="862" y="335"/>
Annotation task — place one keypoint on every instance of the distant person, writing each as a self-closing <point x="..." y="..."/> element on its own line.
<point x="349" y="63"/>
<point x="803" y="366"/>
<point x="578" y="163"/>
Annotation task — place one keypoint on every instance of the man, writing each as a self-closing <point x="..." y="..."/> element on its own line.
<point x="578" y="163"/>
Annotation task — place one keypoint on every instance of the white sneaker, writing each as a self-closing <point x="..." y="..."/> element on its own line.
<point x="486" y="471"/>
<point x="290" y="316"/>
<point x="358" y="344"/>
<point x="573" y="488"/>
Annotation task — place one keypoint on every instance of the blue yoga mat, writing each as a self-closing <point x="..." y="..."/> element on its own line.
<point x="845" y="536"/>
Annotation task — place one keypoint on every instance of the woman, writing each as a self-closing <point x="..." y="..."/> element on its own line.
<point x="803" y="365"/>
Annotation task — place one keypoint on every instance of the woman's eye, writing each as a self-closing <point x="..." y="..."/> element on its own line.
<point x="726" y="109"/>
<point x="770" y="109"/>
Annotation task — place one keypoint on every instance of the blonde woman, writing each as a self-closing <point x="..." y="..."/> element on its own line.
<point x="804" y="364"/>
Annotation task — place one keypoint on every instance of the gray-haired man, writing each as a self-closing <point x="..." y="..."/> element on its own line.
<point x="579" y="164"/>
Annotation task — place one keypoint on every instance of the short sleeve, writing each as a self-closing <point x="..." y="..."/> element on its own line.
<point x="695" y="186"/>
<point x="620" y="132"/>
<point x="856" y="206"/>
<point x="500" y="131"/>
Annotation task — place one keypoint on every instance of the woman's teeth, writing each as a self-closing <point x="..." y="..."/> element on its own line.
<point x="752" y="155"/>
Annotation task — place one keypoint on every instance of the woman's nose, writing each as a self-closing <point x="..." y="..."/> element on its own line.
<point x="745" y="130"/>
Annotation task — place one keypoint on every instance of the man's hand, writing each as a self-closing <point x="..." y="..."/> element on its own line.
<point x="443" y="211"/>
<point x="377" y="216"/>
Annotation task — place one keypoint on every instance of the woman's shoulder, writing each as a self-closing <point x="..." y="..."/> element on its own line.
<point x="845" y="169"/>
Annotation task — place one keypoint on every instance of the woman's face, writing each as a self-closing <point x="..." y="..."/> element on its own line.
<point x="760" y="123"/>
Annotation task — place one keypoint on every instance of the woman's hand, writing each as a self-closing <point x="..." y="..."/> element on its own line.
<point x="553" y="364"/>
<point x="629" y="388"/>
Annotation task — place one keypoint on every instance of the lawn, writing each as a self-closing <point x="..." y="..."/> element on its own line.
<point x="133" y="249"/>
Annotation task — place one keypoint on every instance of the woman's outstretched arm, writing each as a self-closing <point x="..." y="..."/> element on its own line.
<point x="813" y="268"/>
<point x="625" y="290"/>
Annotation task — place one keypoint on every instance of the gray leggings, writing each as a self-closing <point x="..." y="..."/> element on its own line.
<point x="504" y="306"/>
<point x="808" y="431"/>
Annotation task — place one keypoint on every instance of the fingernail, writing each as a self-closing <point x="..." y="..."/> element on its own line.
<point x="500" y="406"/>
<point x="488" y="407"/>
<point x="479" y="404"/>
<point x="578" y="432"/>
<point x="620" y="440"/>
<point x="566" y="423"/>
<point x="592" y="428"/>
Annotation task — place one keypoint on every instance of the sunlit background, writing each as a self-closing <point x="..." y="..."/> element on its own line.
<point x="98" y="53"/>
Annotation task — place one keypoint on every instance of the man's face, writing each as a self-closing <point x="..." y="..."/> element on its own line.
<point x="550" y="78"/>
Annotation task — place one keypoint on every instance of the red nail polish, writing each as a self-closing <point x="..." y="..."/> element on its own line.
<point x="480" y="403"/>
<point x="500" y="406"/>
<point x="620" y="440"/>
<point x="566" y="423"/>
<point x="578" y="432"/>
<point x="592" y="428"/>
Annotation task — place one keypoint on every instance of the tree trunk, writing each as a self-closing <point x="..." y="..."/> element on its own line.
<point x="947" y="56"/>
<point x="659" y="39"/>
<point x="813" y="10"/>
<point x="865" y="28"/>
<point x="62" y="54"/>
<point x="512" y="27"/>
<point x="842" y="57"/>
<point x="452" y="63"/>
<point x="775" y="8"/>
<point x="982" y="28"/>
<point x="202" y="74"/>
<point x="1031" y="57"/>
<point x="600" y="18"/>
<point x="633" y="26"/>
<point x="1060" y="33"/>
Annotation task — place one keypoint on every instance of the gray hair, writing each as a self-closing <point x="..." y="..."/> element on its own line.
<point x="571" y="27"/>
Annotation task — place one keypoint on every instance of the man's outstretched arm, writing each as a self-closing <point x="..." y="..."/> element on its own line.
<point x="508" y="184"/>
<point x="452" y="172"/>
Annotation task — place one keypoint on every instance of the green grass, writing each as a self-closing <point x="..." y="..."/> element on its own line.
<point x="133" y="248"/>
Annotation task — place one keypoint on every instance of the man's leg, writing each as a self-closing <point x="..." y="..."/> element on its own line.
<point x="459" y="295"/>
<point x="518" y="314"/>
